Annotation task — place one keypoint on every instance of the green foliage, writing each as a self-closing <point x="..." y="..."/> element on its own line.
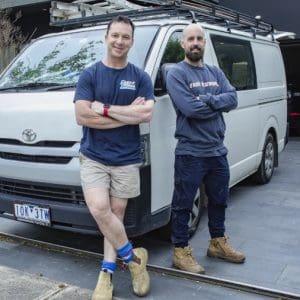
<point x="174" y="52"/>
<point x="52" y="68"/>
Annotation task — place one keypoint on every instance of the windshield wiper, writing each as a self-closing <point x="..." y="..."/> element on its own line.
<point x="61" y="86"/>
<point x="8" y="88"/>
<point x="48" y="86"/>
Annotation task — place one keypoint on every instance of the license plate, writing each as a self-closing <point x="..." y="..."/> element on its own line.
<point x="33" y="214"/>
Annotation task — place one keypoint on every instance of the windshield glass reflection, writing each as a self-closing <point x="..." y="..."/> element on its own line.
<point x="58" y="60"/>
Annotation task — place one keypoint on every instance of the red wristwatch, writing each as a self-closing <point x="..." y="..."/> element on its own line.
<point x="106" y="107"/>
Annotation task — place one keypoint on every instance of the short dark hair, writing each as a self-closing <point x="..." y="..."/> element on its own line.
<point x="120" y="19"/>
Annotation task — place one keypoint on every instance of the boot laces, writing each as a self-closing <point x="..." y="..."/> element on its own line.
<point x="189" y="254"/>
<point x="124" y="266"/>
<point x="227" y="247"/>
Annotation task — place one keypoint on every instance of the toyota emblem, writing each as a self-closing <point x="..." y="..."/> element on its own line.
<point x="28" y="135"/>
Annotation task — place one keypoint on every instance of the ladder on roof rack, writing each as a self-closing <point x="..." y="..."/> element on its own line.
<point x="81" y="13"/>
<point x="79" y="9"/>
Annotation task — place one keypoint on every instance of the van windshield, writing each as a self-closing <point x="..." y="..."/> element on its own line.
<point x="58" y="60"/>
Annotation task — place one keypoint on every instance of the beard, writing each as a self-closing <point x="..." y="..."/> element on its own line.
<point x="195" y="56"/>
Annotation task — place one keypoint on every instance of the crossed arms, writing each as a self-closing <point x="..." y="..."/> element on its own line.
<point x="205" y="106"/>
<point x="90" y="114"/>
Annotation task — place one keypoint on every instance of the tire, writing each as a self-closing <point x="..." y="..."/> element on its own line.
<point x="199" y="205"/>
<point x="267" y="165"/>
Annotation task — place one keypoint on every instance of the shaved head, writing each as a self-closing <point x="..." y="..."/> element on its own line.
<point x="192" y="27"/>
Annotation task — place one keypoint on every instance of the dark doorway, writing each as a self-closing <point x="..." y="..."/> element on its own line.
<point x="290" y="51"/>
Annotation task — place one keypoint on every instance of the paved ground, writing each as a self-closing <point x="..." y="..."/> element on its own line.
<point x="262" y="221"/>
<point x="30" y="271"/>
<point x="267" y="226"/>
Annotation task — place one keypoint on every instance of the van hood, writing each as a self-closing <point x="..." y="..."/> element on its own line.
<point x="50" y="116"/>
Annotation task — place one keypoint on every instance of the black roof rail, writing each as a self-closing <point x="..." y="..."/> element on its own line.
<point x="196" y="10"/>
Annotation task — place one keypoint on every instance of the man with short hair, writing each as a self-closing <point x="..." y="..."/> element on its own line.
<point x="200" y="94"/>
<point x="112" y="97"/>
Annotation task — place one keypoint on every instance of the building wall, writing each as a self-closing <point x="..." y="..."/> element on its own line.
<point x="284" y="15"/>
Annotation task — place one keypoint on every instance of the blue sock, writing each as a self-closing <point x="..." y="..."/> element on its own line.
<point x="126" y="252"/>
<point x="110" y="267"/>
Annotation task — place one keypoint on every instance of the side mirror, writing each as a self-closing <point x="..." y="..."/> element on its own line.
<point x="164" y="72"/>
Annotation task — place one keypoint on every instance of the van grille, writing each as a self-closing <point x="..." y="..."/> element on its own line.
<point x="36" y="158"/>
<point x="57" y="144"/>
<point x="61" y="194"/>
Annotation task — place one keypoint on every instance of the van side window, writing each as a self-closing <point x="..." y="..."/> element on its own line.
<point x="236" y="60"/>
<point x="172" y="54"/>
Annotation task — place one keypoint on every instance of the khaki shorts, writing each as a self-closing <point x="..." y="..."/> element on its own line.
<point x="122" y="181"/>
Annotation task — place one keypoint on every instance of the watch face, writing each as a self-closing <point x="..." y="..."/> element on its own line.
<point x="106" y="105"/>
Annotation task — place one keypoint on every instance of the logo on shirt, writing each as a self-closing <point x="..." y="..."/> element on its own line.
<point x="127" y="85"/>
<point x="203" y="84"/>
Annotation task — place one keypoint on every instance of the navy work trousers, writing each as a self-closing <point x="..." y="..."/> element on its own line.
<point x="190" y="172"/>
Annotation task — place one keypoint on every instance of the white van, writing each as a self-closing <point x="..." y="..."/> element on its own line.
<point x="39" y="138"/>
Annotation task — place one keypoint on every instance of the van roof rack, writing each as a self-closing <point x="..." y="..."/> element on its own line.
<point x="80" y="13"/>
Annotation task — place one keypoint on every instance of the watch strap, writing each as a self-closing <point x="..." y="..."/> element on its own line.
<point x="105" y="111"/>
<point x="106" y="107"/>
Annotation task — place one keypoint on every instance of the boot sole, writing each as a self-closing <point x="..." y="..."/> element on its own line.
<point x="240" y="261"/>
<point x="178" y="268"/>
<point x="144" y="293"/>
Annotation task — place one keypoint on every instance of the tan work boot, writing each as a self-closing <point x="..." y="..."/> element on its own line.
<point x="139" y="275"/>
<point x="183" y="259"/>
<point x="104" y="287"/>
<point x="219" y="247"/>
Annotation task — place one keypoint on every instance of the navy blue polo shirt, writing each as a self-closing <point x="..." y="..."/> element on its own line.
<point x="117" y="146"/>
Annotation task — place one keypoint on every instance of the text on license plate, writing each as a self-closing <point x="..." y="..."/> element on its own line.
<point x="33" y="214"/>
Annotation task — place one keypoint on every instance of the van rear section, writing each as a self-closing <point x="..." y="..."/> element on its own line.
<point x="290" y="51"/>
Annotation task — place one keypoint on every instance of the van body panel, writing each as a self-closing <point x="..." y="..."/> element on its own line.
<point x="272" y="88"/>
<point x="243" y="160"/>
<point x="51" y="117"/>
<point x="162" y="143"/>
<point x="50" y="114"/>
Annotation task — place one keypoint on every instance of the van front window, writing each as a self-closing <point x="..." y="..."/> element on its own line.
<point x="58" y="60"/>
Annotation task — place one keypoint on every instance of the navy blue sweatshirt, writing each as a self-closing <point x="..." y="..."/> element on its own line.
<point x="200" y="95"/>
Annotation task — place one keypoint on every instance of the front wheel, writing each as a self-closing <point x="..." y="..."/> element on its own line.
<point x="267" y="165"/>
<point x="199" y="205"/>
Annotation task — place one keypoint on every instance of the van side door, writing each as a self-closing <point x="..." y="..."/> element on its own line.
<point x="234" y="56"/>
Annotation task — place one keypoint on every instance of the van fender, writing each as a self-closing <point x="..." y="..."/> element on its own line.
<point x="271" y="126"/>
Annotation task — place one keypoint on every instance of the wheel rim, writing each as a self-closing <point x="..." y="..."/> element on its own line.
<point x="269" y="159"/>
<point x="195" y="210"/>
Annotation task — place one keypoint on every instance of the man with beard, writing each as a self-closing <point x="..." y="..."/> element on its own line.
<point x="200" y="94"/>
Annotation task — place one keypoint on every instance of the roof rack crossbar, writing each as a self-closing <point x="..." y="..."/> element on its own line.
<point x="228" y="14"/>
<point x="195" y="10"/>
